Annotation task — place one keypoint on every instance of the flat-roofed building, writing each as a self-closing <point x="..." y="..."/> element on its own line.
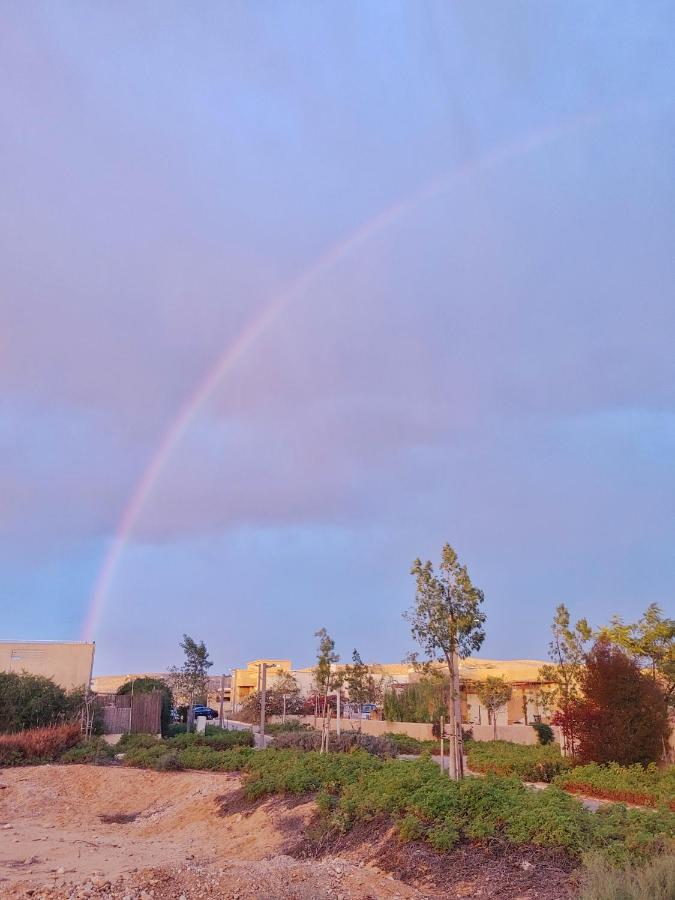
<point x="68" y="663"/>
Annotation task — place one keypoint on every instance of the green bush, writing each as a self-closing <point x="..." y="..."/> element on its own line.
<point x="169" y="762"/>
<point x="348" y="742"/>
<point x="653" y="881"/>
<point x="94" y="751"/>
<point x="410" y="745"/>
<point x="425" y="804"/>
<point x="544" y="733"/>
<point x="292" y="725"/>
<point x="646" y="785"/>
<point x="32" y="701"/>
<point x="529" y="762"/>
<point x="218" y="739"/>
<point x="133" y="741"/>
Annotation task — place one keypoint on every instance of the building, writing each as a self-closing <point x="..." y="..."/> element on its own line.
<point x="68" y="663"/>
<point x="524" y="707"/>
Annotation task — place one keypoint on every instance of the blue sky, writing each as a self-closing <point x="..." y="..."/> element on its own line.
<point x="492" y="367"/>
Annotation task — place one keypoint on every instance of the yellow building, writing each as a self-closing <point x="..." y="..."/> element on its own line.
<point x="68" y="663"/>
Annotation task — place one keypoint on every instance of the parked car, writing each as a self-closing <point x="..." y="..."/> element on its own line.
<point x="204" y="711"/>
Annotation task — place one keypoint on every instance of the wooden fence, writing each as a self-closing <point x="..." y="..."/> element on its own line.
<point x="124" y="713"/>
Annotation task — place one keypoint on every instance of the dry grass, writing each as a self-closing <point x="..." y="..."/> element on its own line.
<point x="653" y="881"/>
<point x="38" y="744"/>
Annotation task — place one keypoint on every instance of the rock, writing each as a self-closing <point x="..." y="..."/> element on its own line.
<point x="526" y="865"/>
<point x="8" y="825"/>
<point x="60" y="870"/>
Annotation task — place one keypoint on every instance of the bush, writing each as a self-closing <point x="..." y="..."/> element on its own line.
<point x="544" y="733"/>
<point x="410" y="745"/>
<point x="348" y="742"/>
<point x="621" y="716"/>
<point x="293" y="725"/>
<point x="133" y="741"/>
<point x="32" y="701"/>
<point x="169" y="762"/>
<point x="649" y="786"/>
<point x="217" y="739"/>
<point x="425" y="804"/>
<point x="37" y="745"/>
<point x="653" y="881"/>
<point x="94" y="751"/>
<point x="529" y="762"/>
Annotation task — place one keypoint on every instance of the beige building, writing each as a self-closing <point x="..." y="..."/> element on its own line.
<point x="68" y="663"/>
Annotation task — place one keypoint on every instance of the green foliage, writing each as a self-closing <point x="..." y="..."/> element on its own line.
<point x="133" y="741"/>
<point x="544" y="733"/>
<point x="217" y="739"/>
<point x="653" y="881"/>
<point x="169" y="762"/>
<point x="651" y="640"/>
<point x="494" y="693"/>
<point x="32" y="701"/>
<point x="649" y="786"/>
<point x="529" y="762"/>
<point x="410" y="745"/>
<point x="290" y="725"/>
<point x="347" y="742"/>
<point x="423" y="701"/>
<point x="95" y="752"/>
<point x="426" y="804"/>
<point x="361" y="685"/>
<point x="189" y="681"/>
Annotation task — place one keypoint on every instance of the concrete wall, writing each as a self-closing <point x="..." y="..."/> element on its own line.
<point x="517" y="734"/>
<point x="68" y="664"/>
<point x="420" y="730"/>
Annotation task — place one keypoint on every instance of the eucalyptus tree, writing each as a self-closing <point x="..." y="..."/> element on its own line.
<point x="447" y="620"/>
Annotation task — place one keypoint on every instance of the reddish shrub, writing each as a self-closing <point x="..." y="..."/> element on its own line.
<point x="622" y="716"/>
<point x="38" y="744"/>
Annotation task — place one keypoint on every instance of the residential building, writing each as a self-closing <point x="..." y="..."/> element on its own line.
<point x="68" y="663"/>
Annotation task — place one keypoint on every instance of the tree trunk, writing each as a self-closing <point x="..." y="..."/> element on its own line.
<point x="459" y="740"/>
<point x="453" y="771"/>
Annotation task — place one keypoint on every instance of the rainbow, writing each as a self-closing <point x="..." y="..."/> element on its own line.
<point x="266" y="318"/>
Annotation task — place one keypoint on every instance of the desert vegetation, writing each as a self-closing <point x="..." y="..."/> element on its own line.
<point x="529" y="762"/>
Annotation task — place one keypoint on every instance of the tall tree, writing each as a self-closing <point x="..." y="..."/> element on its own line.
<point x="567" y="651"/>
<point x="494" y="693"/>
<point x="650" y="640"/>
<point x="190" y="680"/>
<point x="326" y="678"/>
<point x="447" y="622"/>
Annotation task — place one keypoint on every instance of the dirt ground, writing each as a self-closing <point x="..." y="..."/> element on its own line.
<point x="84" y="831"/>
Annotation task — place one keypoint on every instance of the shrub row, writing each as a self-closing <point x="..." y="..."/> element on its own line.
<point x="347" y="742"/>
<point x="411" y="746"/>
<point x="531" y="763"/>
<point x="427" y="805"/>
<point x="648" y="786"/>
<point x="38" y="744"/>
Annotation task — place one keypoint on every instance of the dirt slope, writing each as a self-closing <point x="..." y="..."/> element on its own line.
<point x="84" y="831"/>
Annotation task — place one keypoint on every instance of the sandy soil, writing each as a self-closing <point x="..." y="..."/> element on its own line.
<point x="85" y="831"/>
<point x="69" y="831"/>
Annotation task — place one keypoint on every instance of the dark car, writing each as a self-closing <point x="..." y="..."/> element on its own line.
<point x="204" y="711"/>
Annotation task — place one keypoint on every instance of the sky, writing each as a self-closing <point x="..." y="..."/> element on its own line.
<point x="294" y="293"/>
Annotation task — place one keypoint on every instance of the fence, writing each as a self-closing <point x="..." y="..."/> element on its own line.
<point x="137" y="713"/>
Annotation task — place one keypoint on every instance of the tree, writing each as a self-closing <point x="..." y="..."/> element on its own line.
<point x="146" y="685"/>
<point x="361" y="685"/>
<point x="447" y="622"/>
<point x="494" y="694"/>
<point x="31" y="701"/>
<point x="190" y="681"/>
<point x="567" y="651"/>
<point x="621" y="714"/>
<point x="325" y="678"/>
<point x="650" y="640"/>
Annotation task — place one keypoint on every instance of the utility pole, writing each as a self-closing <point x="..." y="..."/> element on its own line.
<point x="222" y="692"/>
<point x="262" y="680"/>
